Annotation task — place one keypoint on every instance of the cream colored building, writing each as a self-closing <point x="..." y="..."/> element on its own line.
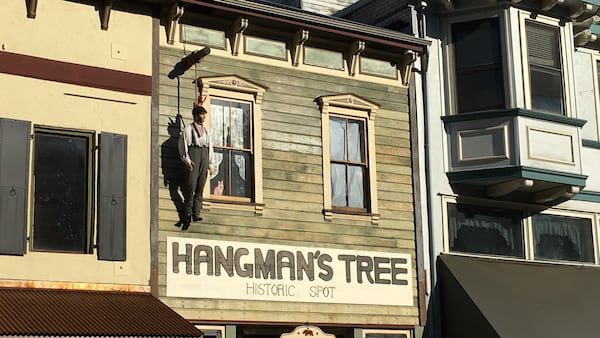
<point x="75" y="167"/>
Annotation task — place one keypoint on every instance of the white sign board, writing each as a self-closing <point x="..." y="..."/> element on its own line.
<point x="199" y="268"/>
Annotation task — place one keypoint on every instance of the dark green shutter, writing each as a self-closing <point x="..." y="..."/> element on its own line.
<point x="111" y="236"/>
<point x="14" y="164"/>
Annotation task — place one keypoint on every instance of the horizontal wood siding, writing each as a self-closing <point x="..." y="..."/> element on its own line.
<point x="293" y="186"/>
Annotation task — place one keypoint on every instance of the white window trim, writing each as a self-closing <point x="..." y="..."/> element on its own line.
<point x="352" y="106"/>
<point x="584" y="215"/>
<point x="566" y="51"/>
<point x="527" y="224"/>
<point x="237" y="88"/>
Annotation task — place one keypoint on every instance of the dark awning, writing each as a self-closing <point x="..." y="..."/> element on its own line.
<point x="72" y="313"/>
<point x="492" y="298"/>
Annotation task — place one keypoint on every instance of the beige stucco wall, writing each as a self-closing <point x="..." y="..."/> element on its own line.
<point x="70" y="32"/>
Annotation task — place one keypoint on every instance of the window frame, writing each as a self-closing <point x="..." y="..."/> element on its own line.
<point x="453" y="88"/>
<point x="234" y="88"/>
<point x="506" y="66"/>
<point x="349" y="106"/>
<point x="90" y="186"/>
<point x="580" y="215"/>
<point x="566" y="50"/>
<point x="108" y="233"/>
<point x="508" y="212"/>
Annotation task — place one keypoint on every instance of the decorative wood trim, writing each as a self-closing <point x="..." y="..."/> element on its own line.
<point x="175" y="13"/>
<point x="105" y="13"/>
<point x="357" y="48"/>
<point x="31" y="8"/>
<point x="301" y="38"/>
<point x="239" y="27"/>
<point x="406" y="65"/>
<point x="76" y="74"/>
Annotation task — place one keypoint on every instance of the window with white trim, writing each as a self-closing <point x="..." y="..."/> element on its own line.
<point x="559" y="237"/>
<point x="234" y="115"/>
<point x="485" y="74"/>
<point x="546" y="49"/>
<point x="552" y="235"/>
<point x="349" y="156"/>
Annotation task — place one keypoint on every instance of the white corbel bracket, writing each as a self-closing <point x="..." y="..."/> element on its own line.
<point x="105" y="13"/>
<point x="239" y="27"/>
<point x="357" y="48"/>
<point x="175" y="13"/>
<point x="405" y="66"/>
<point x="583" y="37"/>
<point x="299" y="40"/>
<point x="505" y="188"/>
<point x="555" y="193"/>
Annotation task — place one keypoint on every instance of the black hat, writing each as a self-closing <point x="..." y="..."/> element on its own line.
<point x="198" y="110"/>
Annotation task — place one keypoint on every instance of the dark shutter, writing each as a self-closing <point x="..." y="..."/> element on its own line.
<point x="111" y="236"/>
<point x="14" y="164"/>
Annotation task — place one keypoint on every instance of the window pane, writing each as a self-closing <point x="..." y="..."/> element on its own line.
<point x="546" y="90"/>
<point x="356" y="141"/>
<point x="337" y="131"/>
<point x="230" y="123"/>
<point x="478" y="62"/>
<point x="356" y="189"/>
<point x="543" y="45"/>
<point x="563" y="238"/>
<point x="338" y="185"/>
<point x="61" y="192"/>
<point x="486" y="83"/>
<point x="232" y="174"/>
<point x="476" y="43"/>
<point x="474" y="230"/>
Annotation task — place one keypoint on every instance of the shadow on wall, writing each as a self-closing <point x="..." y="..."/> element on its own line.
<point x="172" y="169"/>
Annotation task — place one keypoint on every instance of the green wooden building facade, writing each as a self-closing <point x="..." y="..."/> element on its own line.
<point x="308" y="213"/>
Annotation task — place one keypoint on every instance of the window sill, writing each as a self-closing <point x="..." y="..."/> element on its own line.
<point x="257" y="208"/>
<point x="342" y="214"/>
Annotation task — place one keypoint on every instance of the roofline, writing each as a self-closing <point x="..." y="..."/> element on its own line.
<point x="322" y="23"/>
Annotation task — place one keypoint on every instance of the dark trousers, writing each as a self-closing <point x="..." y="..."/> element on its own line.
<point x="195" y="180"/>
